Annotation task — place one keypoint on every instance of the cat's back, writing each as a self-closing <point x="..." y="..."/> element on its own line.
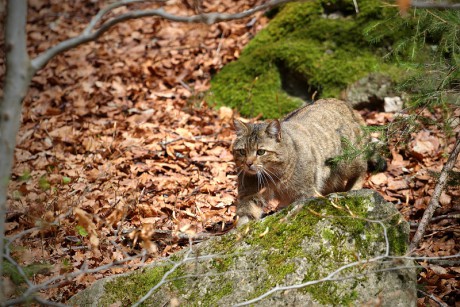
<point x="325" y="111"/>
<point x="322" y="125"/>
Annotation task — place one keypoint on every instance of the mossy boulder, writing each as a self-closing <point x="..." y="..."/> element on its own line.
<point x="315" y="48"/>
<point x="322" y="252"/>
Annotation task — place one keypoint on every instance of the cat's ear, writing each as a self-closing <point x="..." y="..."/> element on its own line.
<point x="274" y="129"/>
<point x="240" y="127"/>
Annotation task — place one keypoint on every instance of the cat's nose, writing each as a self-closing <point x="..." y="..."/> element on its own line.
<point x="249" y="162"/>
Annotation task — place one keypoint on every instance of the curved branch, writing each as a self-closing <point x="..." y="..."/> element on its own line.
<point x="86" y="36"/>
<point x="104" y="11"/>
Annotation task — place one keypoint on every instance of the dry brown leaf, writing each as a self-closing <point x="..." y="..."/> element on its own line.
<point x="85" y="221"/>
<point x="379" y="179"/>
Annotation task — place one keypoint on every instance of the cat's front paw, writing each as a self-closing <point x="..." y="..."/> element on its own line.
<point x="241" y="220"/>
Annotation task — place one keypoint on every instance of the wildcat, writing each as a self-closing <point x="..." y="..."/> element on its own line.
<point x="288" y="160"/>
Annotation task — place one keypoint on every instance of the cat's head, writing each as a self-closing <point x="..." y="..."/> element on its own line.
<point x="257" y="148"/>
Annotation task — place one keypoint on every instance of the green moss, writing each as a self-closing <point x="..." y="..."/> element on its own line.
<point x="325" y="54"/>
<point x="253" y="87"/>
<point x="328" y="294"/>
<point x="398" y="241"/>
<point x="178" y="279"/>
<point x="129" y="289"/>
<point x="328" y="233"/>
<point x="212" y="298"/>
<point x="280" y="244"/>
<point x="222" y="264"/>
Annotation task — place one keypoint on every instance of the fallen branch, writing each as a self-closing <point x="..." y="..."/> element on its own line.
<point x="438" y="218"/>
<point x="434" y="202"/>
<point x="434" y="298"/>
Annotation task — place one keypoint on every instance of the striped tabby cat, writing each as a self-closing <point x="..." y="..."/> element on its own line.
<point x="287" y="160"/>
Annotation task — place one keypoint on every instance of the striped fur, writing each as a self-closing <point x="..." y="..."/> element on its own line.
<point x="285" y="161"/>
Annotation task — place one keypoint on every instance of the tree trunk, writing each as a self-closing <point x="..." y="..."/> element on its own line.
<point x="17" y="80"/>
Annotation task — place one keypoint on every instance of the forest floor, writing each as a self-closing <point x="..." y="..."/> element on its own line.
<point x="118" y="150"/>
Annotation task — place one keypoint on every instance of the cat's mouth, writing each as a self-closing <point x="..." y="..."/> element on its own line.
<point x="251" y="170"/>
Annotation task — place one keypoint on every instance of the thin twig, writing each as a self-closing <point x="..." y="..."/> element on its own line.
<point x="446" y="263"/>
<point x="90" y="27"/>
<point x="62" y="279"/>
<point x="434" y="298"/>
<point x="330" y="277"/>
<point x="439" y="217"/>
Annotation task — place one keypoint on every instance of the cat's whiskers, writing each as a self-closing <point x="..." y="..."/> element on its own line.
<point x="268" y="175"/>
<point x="262" y="175"/>
<point x="260" y="170"/>
<point x="280" y="183"/>
<point x="261" y="180"/>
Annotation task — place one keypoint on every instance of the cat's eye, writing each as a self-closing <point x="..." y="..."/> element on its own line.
<point x="242" y="152"/>
<point x="260" y="152"/>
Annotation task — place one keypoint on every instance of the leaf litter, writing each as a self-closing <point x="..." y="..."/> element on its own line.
<point x="118" y="150"/>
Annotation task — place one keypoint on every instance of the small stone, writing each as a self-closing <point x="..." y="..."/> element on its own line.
<point x="393" y="104"/>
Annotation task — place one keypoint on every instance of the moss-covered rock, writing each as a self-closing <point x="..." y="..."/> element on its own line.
<point x="316" y="46"/>
<point x="300" y="246"/>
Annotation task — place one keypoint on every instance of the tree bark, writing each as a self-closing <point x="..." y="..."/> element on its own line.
<point x="17" y="80"/>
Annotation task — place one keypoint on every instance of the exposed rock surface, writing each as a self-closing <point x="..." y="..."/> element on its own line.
<point x="372" y="91"/>
<point x="343" y="233"/>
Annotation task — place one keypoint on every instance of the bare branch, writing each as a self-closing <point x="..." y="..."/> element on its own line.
<point x="30" y="230"/>
<point x="62" y="279"/>
<point x="439" y="218"/>
<point x="434" y="202"/>
<point x="434" y="298"/>
<point x="87" y="35"/>
<point x="435" y="5"/>
<point x="163" y="279"/>
<point x="90" y="27"/>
